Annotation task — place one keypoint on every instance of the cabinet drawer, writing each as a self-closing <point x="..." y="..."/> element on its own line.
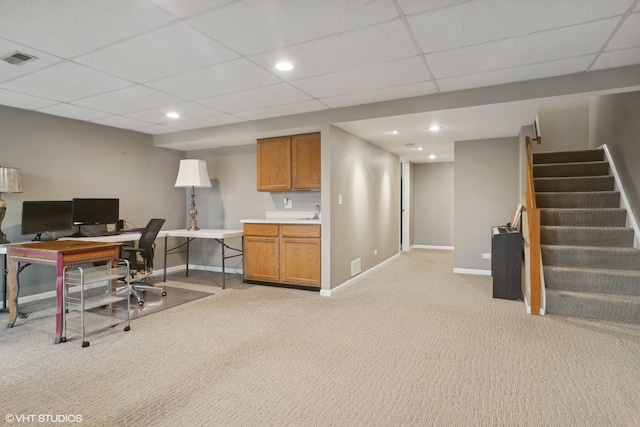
<point x="294" y="230"/>
<point x="270" y="230"/>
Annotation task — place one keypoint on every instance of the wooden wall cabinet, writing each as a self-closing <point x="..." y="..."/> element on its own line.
<point x="284" y="254"/>
<point x="289" y="163"/>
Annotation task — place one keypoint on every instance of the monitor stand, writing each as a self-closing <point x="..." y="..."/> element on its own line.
<point x="78" y="233"/>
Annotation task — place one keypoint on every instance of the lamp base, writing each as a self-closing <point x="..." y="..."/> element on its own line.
<point x="3" y="237"/>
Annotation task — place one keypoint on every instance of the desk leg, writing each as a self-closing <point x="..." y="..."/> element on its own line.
<point x="166" y="248"/>
<point x="188" y="240"/>
<point x="59" y="303"/>
<point x="12" y="274"/>
<point x="223" y="271"/>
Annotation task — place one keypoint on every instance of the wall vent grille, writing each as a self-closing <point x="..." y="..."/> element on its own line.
<point x="356" y="267"/>
<point x="18" y="58"/>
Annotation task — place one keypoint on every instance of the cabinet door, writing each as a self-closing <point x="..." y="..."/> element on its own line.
<point x="300" y="261"/>
<point x="274" y="164"/>
<point x="261" y="258"/>
<point x="306" y="161"/>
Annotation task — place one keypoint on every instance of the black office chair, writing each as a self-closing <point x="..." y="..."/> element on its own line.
<point x="141" y="260"/>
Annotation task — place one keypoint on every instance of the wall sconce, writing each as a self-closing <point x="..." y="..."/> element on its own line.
<point x="10" y="182"/>
<point x="193" y="173"/>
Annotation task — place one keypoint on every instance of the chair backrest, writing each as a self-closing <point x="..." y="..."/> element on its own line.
<point x="148" y="237"/>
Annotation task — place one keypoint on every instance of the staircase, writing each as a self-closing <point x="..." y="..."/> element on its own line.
<point x="591" y="268"/>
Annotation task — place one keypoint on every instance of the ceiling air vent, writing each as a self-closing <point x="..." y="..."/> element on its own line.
<point x="18" y="58"/>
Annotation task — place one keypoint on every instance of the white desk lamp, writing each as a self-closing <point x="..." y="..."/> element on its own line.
<point x="10" y="182"/>
<point x="193" y="173"/>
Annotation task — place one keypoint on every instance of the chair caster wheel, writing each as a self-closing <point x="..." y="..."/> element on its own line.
<point x="127" y="328"/>
<point x="140" y="303"/>
<point x="85" y="343"/>
<point x="164" y="293"/>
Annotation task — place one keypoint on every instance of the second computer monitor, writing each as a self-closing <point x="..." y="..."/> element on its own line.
<point x="95" y="211"/>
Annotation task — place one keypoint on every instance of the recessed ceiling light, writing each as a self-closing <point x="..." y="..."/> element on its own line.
<point x="432" y="156"/>
<point x="435" y="128"/>
<point x="394" y="132"/>
<point x="173" y="115"/>
<point x="284" y="66"/>
<point x="419" y="148"/>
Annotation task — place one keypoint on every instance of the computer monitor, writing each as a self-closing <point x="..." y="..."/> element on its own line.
<point x="46" y="216"/>
<point x="95" y="211"/>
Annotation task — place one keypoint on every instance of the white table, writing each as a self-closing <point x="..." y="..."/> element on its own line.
<point x="218" y="235"/>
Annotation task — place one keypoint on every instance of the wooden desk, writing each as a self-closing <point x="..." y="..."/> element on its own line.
<point x="57" y="253"/>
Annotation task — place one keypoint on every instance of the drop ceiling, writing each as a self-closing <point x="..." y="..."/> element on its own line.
<point x="125" y="63"/>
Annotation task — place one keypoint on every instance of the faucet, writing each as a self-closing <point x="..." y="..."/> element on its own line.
<point x="316" y="214"/>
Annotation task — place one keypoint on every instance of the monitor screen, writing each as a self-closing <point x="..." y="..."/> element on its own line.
<point x="42" y="216"/>
<point x="96" y="211"/>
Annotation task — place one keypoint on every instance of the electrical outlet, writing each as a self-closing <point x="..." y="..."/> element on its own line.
<point x="486" y="255"/>
<point x="288" y="203"/>
<point x="375" y="252"/>
<point x="339" y="199"/>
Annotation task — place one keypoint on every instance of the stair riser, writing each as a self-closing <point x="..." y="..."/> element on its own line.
<point x="598" y="183"/>
<point x="569" y="156"/>
<point x="607" y="237"/>
<point x="623" y="259"/>
<point x="571" y="169"/>
<point x="628" y="312"/>
<point x="592" y="281"/>
<point x="583" y="218"/>
<point x="578" y="200"/>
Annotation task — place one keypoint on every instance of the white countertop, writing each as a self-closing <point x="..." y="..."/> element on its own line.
<point x="281" y="221"/>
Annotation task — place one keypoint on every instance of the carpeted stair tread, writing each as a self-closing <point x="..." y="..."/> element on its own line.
<point x="586" y="236"/>
<point x="578" y="199"/>
<point x="616" y="308"/>
<point x="606" y="217"/>
<point x="591" y="257"/>
<point x="587" y="183"/>
<point x="568" y="156"/>
<point x="570" y="169"/>
<point x="593" y="280"/>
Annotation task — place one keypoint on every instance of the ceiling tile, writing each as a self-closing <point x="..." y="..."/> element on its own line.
<point x="9" y="71"/>
<point x="217" y="80"/>
<point x="65" y="82"/>
<point x="184" y="8"/>
<point x="128" y="100"/>
<point x="379" y="43"/>
<point x="490" y="20"/>
<point x="283" y="110"/>
<point x="73" y="112"/>
<point x="516" y="74"/>
<point x="628" y="35"/>
<point x="122" y="122"/>
<point x="618" y="58"/>
<point x="187" y="111"/>
<point x="157" y="129"/>
<point x="386" y="94"/>
<point x="274" y="24"/>
<point x="254" y="99"/>
<point x="161" y="53"/>
<point x="539" y="47"/>
<point x="222" y="119"/>
<point x="73" y="27"/>
<point x="370" y="77"/>
<point x="409" y="7"/>
<point x="20" y="100"/>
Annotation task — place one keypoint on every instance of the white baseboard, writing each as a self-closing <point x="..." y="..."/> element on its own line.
<point x="441" y="248"/>
<point x="328" y="292"/>
<point x="472" y="271"/>
<point x="227" y="269"/>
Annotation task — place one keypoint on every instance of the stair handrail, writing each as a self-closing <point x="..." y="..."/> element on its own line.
<point x="533" y="234"/>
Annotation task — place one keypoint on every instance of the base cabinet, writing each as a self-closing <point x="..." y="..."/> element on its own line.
<point x="283" y="254"/>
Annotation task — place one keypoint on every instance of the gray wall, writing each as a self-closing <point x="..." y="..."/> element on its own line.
<point x="486" y="186"/>
<point x="368" y="178"/>
<point x="615" y="121"/>
<point x="564" y="124"/>
<point x="62" y="158"/>
<point x="433" y="204"/>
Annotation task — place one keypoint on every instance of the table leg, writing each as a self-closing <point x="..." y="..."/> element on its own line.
<point x="166" y="248"/>
<point x="188" y="240"/>
<point x="223" y="272"/>
<point x="12" y="275"/>
<point x="59" y="303"/>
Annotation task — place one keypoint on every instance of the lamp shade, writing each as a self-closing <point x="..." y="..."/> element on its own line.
<point x="10" y="180"/>
<point x="193" y="173"/>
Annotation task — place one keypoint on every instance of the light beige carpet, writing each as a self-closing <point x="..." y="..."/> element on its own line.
<point x="411" y="344"/>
